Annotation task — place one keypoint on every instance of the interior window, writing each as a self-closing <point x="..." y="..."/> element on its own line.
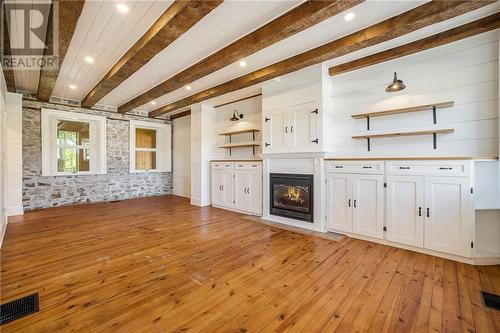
<point x="145" y="149"/>
<point x="73" y="140"/>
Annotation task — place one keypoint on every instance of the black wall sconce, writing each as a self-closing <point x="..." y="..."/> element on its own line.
<point x="236" y="116"/>
<point x="396" y="85"/>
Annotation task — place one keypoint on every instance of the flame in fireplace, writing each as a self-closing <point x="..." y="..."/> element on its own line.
<point x="294" y="194"/>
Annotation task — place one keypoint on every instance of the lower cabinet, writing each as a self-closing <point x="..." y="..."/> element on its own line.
<point x="355" y="204"/>
<point x="237" y="186"/>
<point x="425" y="211"/>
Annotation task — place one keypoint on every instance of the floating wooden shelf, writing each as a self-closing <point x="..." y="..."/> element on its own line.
<point x="249" y="130"/>
<point x="403" y="133"/>
<point x="240" y="144"/>
<point x="404" y="110"/>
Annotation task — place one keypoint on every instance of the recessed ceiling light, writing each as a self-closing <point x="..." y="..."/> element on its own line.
<point x="277" y="79"/>
<point x="188" y="87"/>
<point x="89" y="59"/>
<point x="122" y="7"/>
<point x="153" y="103"/>
<point x="243" y="63"/>
<point x="72" y="86"/>
<point x="349" y="16"/>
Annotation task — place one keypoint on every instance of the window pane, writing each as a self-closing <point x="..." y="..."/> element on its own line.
<point x="145" y="160"/>
<point x="73" y="160"/>
<point x="145" y="138"/>
<point x="73" y="133"/>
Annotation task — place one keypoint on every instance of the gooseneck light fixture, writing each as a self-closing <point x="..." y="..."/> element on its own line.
<point x="236" y="116"/>
<point x="396" y="85"/>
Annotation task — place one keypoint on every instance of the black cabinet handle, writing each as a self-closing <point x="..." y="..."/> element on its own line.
<point x="222" y="187"/>
<point x="367" y="167"/>
<point x="315" y="111"/>
<point x="419" y="211"/>
<point x="267" y="144"/>
<point x="349" y="202"/>
<point x="291" y="129"/>
<point x="267" y="119"/>
<point x="404" y="168"/>
<point x="338" y="167"/>
<point x="286" y="129"/>
<point x="443" y="168"/>
<point x="315" y="141"/>
<point x="354" y="203"/>
<point x="428" y="212"/>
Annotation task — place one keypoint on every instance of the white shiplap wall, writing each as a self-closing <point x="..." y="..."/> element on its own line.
<point x="3" y="154"/>
<point x="465" y="72"/>
<point x="182" y="157"/>
<point x="251" y="110"/>
<point x="14" y="179"/>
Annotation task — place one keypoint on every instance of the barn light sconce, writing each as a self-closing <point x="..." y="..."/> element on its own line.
<point x="236" y="116"/>
<point x="396" y="85"/>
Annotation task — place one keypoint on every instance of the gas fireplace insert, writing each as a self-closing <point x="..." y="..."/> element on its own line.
<point x="291" y="196"/>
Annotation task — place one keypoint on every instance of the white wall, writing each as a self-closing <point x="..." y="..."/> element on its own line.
<point x="14" y="167"/>
<point x="251" y="110"/>
<point x="182" y="156"/>
<point x="3" y="154"/>
<point x="465" y="72"/>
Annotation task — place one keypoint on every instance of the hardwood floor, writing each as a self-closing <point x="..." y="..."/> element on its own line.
<point x="161" y="265"/>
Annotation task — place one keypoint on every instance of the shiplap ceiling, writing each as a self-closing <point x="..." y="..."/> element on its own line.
<point x="105" y="34"/>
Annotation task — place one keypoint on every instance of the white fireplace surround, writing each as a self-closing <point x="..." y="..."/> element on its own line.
<point x="308" y="164"/>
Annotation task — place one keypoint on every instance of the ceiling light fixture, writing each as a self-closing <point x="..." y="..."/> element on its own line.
<point x="236" y="116"/>
<point x="349" y="16"/>
<point x="72" y="86"/>
<point x="153" y="103"/>
<point x="396" y="85"/>
<point x="188" y="87"/>
<point x="243" y="63"/>
<point x="89" y="60"/>
<point x="122" y="7"/>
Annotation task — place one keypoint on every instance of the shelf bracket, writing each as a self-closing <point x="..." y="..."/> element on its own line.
<point x="367" y="123"/>
<point x="434" y="140"/>
<point x="368" y="141"/>
<point x="434" y="117"/>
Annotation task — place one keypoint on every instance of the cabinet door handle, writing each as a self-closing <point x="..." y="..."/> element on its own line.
<point x="428" y="212"/>
<point x="367" y="167"/>
<point x="419" y="211"/>
<point x="354" y="203"/>
<point x="286" y="129"/>
<point x="443" y="168"/>
<point x="404" y="168"/>
<point x="349" y="203"/>
<point x="267" y="144"/>
<point x="291" y="129"/>
<point x="267" y="119"/>
<point x="248" y="190"/>
<point x="315" y="111"/>
<point x="315" y="140"/>
<point x="222" y="187"/>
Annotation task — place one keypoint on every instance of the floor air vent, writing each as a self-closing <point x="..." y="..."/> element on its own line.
<point x="18" y="308"/>
<point x="491" y="300"/>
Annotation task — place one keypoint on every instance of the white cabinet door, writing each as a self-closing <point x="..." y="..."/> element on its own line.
<point x="217" y="192"/>
<point x="240" y="190"/>
<point x="448" y="215"/>
<point x="302" y="127"/>
<point x="227" y="188"/>
<point x="405" y="210"/>
<point x="339" y="202"/>
<point x="368" y="205"/>
<point x="275" y="132"/>
<point x="254" y="193"/>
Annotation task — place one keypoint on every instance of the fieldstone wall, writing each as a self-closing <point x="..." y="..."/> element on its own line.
<point x="117" y="184"/>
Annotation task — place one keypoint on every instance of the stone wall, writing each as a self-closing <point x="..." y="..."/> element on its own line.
<point x="117" y="184"/>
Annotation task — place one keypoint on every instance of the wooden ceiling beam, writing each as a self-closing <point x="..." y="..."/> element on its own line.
<point x="180" y="114"/>
<point x="179" y="17"/>
<point x="68" y="13"/>
<point x="298" y="19"/>
<point x="8" y="73"/>
<point x="399" y="25"/>
<point x="488" y="23"/>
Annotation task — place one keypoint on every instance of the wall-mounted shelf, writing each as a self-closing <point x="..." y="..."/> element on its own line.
<point x="434" y="132"/>
<point x="240" y="144"/>
<point x="403" y="110"/>
<point x="385" y="134"/>
<point x="249" y="130"/>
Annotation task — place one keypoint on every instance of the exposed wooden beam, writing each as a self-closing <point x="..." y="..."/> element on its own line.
<point x="467" y="30"/>
<point x="298" y="19"/>
<point x="179" y="17"/>
<point x="238" y="100"/>
<point x="399" y="25"/>
<point x="181" y="114"/>
<point x="69" y="12"/>
<point x="8" y="73"/>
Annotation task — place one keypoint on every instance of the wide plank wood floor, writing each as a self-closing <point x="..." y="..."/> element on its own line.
<point x="161" y="265"/>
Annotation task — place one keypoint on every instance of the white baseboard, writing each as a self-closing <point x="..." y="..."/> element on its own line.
<point x="14" y="210"/>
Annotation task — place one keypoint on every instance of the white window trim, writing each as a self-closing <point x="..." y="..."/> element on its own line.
<point x="49" y="141"/>
<point x="167" y="151"/>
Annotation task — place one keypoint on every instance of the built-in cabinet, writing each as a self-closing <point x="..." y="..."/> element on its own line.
<point x="425" y="204"/>
<point x="237" y="186"/>
<point x="291" y="129"/>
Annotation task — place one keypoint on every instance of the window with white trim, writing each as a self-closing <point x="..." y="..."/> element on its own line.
<point x="73" y="143"/>
<point x="150" y="147"/>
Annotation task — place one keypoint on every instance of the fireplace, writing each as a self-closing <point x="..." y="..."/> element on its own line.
<point x="291" y="196"/>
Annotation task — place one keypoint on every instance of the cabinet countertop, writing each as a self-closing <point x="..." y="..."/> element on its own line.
<point x="408" y="158"/>
<point x="236" y="161"/>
